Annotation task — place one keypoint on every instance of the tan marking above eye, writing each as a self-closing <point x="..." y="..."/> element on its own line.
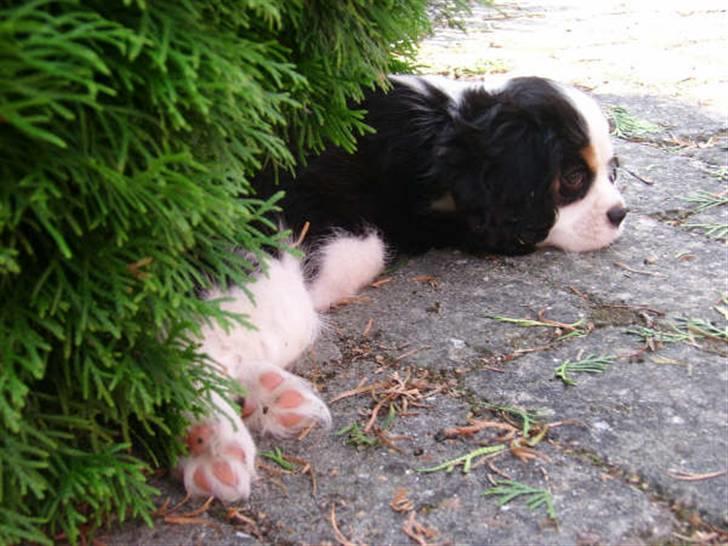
<point x="589" y="154"/>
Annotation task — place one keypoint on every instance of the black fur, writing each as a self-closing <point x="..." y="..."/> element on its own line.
<point x="497" y="154"/>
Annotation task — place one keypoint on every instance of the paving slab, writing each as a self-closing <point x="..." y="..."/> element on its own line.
<point x="634" y="452"/>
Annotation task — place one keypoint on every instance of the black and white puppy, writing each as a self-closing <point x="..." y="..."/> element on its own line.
<point x="503" y="169"/>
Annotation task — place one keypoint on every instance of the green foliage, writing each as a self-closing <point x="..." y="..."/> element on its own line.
<point x="627" y="126"/>
<point x="589" y="364"/>
<point x="508" y="490"/>
<point x="277" y="456"/>
<point x="356" y="437"/>
<point x="129" y="132"/>
<point x="465" y="460"/>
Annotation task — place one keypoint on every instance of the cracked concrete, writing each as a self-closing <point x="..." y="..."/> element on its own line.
<point x="636" y="454"/>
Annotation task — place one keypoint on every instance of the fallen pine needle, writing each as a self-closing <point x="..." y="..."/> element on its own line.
<point x="180" y="504"/>
<point x="234" y="514"/>
<point x="306" y="468"/>
<point x="337" y="533"/>
<point x="411" y="352"/>
<point x="201" y="510"/>
<point x="691" y="477"/>
<point x="525" y="453"/>
<point x="400" y="502"/>
<point x="361" y="388"/>
<point x="251" y="526"/>
<point x="306" y="431"/>
<point x="418" y="532"/>
<point x="162" y="510"/>
<point x="476" y="426"/>
<point x="351" y="300"/>
<point x="183" y="520"/>
<point x="302" y="235"/>
<point x="368" y="327"/>
<point x="381" y="282"/>
<point x="639" y="271"/>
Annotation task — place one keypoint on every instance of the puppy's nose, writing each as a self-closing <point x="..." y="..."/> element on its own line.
<point x="616" y="214"/>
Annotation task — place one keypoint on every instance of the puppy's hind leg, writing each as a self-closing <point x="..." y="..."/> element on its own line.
<point x="346" y="264"/>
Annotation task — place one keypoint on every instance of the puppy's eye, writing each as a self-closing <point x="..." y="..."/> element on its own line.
<point x="573" y="179"/>
<point x="613" y="164"/>
<point x="613" y="174"/>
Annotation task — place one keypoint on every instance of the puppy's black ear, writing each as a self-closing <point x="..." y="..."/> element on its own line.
<point x="501" y="163"/>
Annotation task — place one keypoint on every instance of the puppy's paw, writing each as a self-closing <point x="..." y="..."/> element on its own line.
<point x="281" y="403"/>
<point x="221" y="461"/>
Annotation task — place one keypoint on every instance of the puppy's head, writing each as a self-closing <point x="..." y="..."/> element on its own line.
<point x="529" y="165"/>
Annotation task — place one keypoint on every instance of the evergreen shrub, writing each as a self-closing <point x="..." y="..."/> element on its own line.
<point x="129" y="131"/>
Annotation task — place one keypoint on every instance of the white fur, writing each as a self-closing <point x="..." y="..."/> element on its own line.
<point x="282" y="311"/>
<point x="286" y="323"/>
<point x="347" y="264"/>
<point x="584" y="225"/>
<point x="453" y="88"/>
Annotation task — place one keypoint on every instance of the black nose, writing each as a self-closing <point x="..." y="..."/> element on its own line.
<point x="616" y="215"/>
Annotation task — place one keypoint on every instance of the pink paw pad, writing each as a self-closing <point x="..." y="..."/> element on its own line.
<point x="282" y="403"/>
<point x="289" y="399"/>
<point x="270" y="380"/>
<point x="198" y="439"/>
<point x="221" y="461"/>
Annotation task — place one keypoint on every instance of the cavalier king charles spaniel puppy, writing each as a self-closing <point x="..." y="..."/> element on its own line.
<point x="503" y="169"/>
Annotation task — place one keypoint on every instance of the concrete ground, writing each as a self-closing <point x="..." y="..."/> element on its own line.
<point x="635" y="452"/>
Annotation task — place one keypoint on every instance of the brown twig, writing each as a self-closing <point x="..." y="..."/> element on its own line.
<point x="691" y="477"/>
<point x="184" y="520"/>
<point x="411" y="352"/>
<point x="476" y="426"/>
<point x="306" y="468"/>
<point x="251" y="526"/>
<point x="381" y="282"/>
<point x="368" y="327"/>
<point x="201" y="510"/>
<point x="639" y="271"/>
<point x="302" y="235"/>
<point x="337" y="533"/>
<point x="400" y="502"/>
<point x="359" y="389"/>
<point x="306" y="431"/>
<point x="418" y="532"/>
<point x="638" y="177"/>
<point x="555" y="323"/>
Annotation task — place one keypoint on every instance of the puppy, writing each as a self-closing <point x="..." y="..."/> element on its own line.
<point x="503" y="168"/>
<point x="284" y="308"/>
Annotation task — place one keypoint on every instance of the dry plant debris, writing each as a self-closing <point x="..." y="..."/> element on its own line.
<point x="393" y="397"/>
<point x="192" y="517"/>
<point x="419" y="532"/>
<point x="250" y="526"/>
<point x="562" y="330"/>
<point x="288" y="464"/>
<point x="381" y="282"/>
<point x="520" y="442"/>
<point x="693" y="477"/>
<point x="400" y="502"/>
<point x="433" y="282"/>
<point x="340" y="538"/>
